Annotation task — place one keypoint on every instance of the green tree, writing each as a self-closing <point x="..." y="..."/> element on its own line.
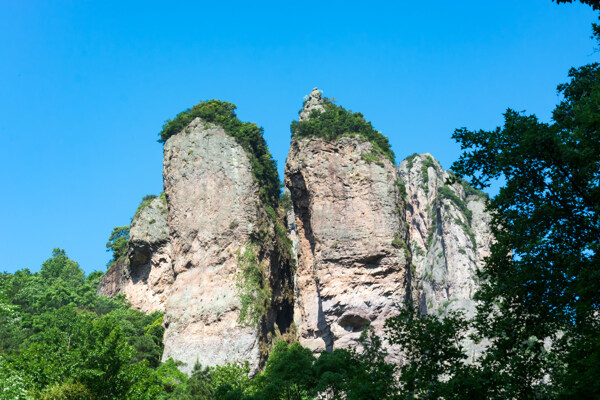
<point x="287" y="375"/>
<point x="118" y="242"/>
<point x="541" y="283"/>
<point x="435" y="365"/>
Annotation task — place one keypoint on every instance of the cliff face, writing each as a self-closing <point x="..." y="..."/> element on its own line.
<point x="349" y="228"/>
<point x="213" y="208"/>
<point x="144" y="275"/>
<point x="367" y="238"/>
<point x="449" y="233"/>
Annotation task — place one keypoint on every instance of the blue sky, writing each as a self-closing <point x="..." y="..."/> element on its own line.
<point x="86" y="86"/>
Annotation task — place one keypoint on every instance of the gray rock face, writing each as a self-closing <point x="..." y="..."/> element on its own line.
<point x="348" y="227"/>
<point x="144" y="275"/>
<point x="313" y="102"/>
<point x="362" y="250"/>
<point x="450" y="236"/>
<point x="149" y="255"/>
<point x="213" y="208"/>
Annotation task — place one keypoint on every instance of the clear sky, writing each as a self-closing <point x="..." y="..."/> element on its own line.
<point x="85" y="87"/>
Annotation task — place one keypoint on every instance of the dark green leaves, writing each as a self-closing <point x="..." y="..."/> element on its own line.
<point x="118" y="242"/>
<point x="336" y="122"/>
<point x="541" y="283"/>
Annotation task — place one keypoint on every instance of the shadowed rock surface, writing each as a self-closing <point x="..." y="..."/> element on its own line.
<point x="144" y="275"/>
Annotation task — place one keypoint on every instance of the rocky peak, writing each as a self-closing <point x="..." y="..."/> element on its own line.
<point x="367" y="237"/>
<point x="350" y="232"/>
<point x="449" y="236"/>
<point x="213" y="209"/>
<point x="314" y="101"/>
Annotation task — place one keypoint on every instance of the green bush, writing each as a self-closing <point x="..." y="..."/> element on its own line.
<point x="246" y="134"/>
<point x="471" y="191"/>
<point x="374" y="157"/>
<point x="427" y="162"/>
<point x="253" y="288"/>
<point x="402" y="189"/>
<point x="410" y="160"/>
<point x="117" y="243"/>
<point x="336" y="122"/>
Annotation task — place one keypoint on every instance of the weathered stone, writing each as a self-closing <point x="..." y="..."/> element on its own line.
<point x="349" y="231"/>
<point x="144" y="275"/>
<point x="213" y="208"/>
<point x="450" y="236"/>
<point x="314" y="101"/>
<point x="149" y="255"/>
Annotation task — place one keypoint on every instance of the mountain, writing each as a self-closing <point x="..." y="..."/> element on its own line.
<point x="353" y="239"/>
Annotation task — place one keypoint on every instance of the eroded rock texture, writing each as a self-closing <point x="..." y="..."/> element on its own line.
<point x="367" y="238"/>
<point x="349" y="231"/>
<point x="450" y="236"/>
<point x="213" y="208"/>
<point x="144" y="275"/>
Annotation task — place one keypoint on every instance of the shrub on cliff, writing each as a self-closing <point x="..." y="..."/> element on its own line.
<point x="336" y="122"/>
<point x="117" y="243"/>
<point x="247" y="134"/>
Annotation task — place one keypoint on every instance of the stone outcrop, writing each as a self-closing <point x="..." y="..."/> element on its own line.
<point x="450" y="236"/>
<point x="213" y="208"/>
<point x="350" y="238"/>
<point x="151" y="274"/>
<point x="144" y="275"/>
<point x="367" y="238"/>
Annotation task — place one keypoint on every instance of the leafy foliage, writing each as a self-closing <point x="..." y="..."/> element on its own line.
<point x="252" y="286"/>
<point x="335" y="122"/>
<point x="542" y="280"/>
<point x="427" y="163"/>
<point x="292" y="372"/>
<point x="118" y="242"/>
<point x="61" y="340"/>
<point x="248" y="135"/>
<point x="435" y="366"/>
<point x="446" y="192"/>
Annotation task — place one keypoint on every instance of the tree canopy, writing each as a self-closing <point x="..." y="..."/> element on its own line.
<point x="540" y="296"/>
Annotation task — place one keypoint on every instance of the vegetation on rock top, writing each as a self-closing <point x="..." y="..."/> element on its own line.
<point x="247" y="134"/>
<point x="335" y="121"/>
<point x="117" y="243"/>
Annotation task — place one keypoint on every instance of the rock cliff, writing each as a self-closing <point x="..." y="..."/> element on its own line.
<point x="450" y="236"/>
<point x="212" y="212"/>
<point x="449" y="232"/>
<point x="196" y="251"/>
<point x="144" y="275"/>
<point x="364" y="237"/>
<point x="350" y="232"/>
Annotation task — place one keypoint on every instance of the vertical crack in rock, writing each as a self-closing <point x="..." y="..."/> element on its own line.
<point x="322" y="324"/>
<point x="352" y="252"/>
<point x="450" y="236"/>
